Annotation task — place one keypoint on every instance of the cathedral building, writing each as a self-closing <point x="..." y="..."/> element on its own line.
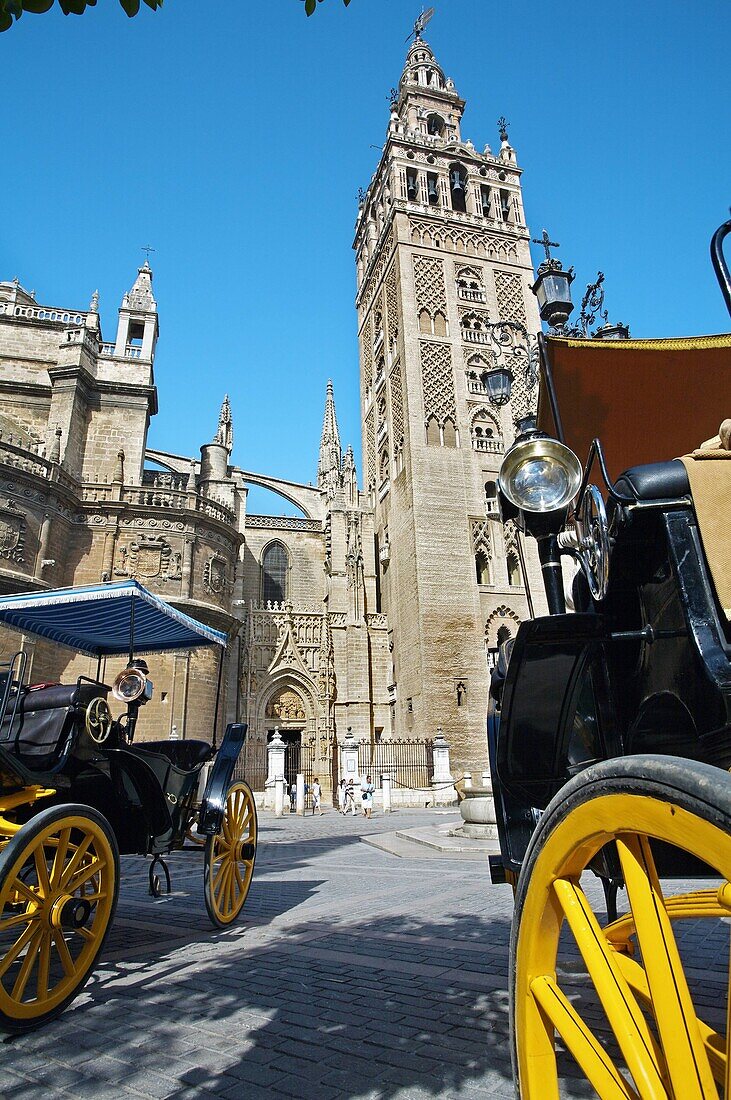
<point x="376" y="612"/>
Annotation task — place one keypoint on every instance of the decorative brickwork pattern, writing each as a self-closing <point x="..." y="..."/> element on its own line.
<point x="429" y="284"/>
<point x="367" y="352"/>
<point x="511" y="537"/>
<point x="375" y="273"/>
<point x="510" y="300"/>
<point x="371" y="449"/>
<point x="397" y="407"/>
<point x="481" y="537"/>
<point x="438" y="381"/>
<point x="392" y="305"/>
<point x="489" y="246"/>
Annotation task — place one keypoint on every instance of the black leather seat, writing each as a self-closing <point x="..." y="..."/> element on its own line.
<point x="184" y="755"/>
<point x="46" y="721"/>
<point x="654" y="481"/>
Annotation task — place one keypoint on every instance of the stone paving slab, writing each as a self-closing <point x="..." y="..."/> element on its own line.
<point x="352" y="974"/>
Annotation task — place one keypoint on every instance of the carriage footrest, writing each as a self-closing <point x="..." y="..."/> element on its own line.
<point x="499" y="873"/>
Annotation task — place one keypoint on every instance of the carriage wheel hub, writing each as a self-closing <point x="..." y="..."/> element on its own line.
<point x="70" y="913"/>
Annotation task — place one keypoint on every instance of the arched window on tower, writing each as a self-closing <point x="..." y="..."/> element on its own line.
<point x="491" y="505"/>
<point x="515" y="576"/>
<point x="435" y="125"/>
<point x="458" y="187"/>
<point x="433" y="435"/>
<point x="482" y="567"/>
<point x="274" y="569"/>
<point x="440" y="324"/>
<point x="425" y="324"/>
<point x="449" y="433"/>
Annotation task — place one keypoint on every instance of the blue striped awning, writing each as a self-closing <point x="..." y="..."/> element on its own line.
<point x="106" y="620"/>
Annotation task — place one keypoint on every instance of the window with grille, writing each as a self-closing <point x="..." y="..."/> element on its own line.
<point x="274" y="566"/>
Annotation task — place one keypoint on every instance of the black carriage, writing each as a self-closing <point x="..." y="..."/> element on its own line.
<point x="609" y="723"/>
<point x="77" y="790"/>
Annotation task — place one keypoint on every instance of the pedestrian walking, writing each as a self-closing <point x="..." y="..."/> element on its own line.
<point x="293" y="796"/>
<point x="350" y="797"/>
<point x="366" y="796"/>
<point x="316" y="796"/>
<point x="341" y="796"/>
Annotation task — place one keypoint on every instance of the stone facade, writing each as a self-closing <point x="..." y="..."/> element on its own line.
<point x="373" y="613"/>
<point x="444" y="275"/>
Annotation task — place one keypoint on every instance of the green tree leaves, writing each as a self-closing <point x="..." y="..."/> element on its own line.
<point x="13" y="9"/>
<point x="310" y="5"/>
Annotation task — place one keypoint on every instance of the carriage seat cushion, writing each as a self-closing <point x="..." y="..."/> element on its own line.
<point x="185" y="755"/>
<point x="654" y="481"/>
<point x="61" y="695"/>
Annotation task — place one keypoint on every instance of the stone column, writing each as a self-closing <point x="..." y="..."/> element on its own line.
<point x="349" y="760"/>
<point x="279" y="784"/>
<point x="444" y="793"/>
<point x="300" y="803"/>
<point x="386" y="792"/>
<point x="275" y="767"/>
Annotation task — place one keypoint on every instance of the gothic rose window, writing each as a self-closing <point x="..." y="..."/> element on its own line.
<point x="274" y="566"/>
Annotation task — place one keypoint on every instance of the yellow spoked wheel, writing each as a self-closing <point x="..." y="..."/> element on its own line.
<point x="626" y="1008"/>
<point x="59" y="879"/>
<point x="230" y="857"/>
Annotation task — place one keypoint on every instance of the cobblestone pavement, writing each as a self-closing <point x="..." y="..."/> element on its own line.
<point x="353" y="973"/>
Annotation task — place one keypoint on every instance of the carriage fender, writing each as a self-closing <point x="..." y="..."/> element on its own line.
<point x="219" y="779"/>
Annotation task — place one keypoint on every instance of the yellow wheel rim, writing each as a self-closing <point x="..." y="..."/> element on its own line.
<point x="231" y="856"/>
<point x="661" y="1046"/>
<point x="56" y="901"/>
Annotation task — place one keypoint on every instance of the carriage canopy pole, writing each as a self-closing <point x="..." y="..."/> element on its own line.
<point x="550" y="390"/>
<point x="222" y="650"/>
<point x="719" y="263"/>
<point x="131" y="629"/>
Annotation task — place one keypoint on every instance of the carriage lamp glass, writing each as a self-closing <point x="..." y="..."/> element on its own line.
<point x="132" y="684"/>
<point x="540" y="475"/>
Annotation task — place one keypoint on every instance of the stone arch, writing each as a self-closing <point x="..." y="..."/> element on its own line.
<point x="278" y="554"/>
<point x="280" y="686"/>
<point x="501" y="616"/>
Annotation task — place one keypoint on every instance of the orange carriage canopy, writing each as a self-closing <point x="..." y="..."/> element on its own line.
<point x="646" y="400"/>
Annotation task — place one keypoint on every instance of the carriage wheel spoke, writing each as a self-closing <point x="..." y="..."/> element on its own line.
<point x="580" y="1041"/>
<point x="19" y="918"/>
<point x="623" y="1013"/>
<point x="24" y="890"/>
<point x="63" y="952"/>
<point x="21" y="942"/>
<point x="677" y="1025"/>
<point x="714" y="1043"/>
<point x="27" y="965"/>
<point x="85" y="874"/>
<point x="44" y="965"/>
<point x="60" y="857"/>
<point x="44" y="883"/>
<point x="75" y="860"/>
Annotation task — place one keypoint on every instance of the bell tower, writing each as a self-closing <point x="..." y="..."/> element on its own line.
<point x="444" y="274"/>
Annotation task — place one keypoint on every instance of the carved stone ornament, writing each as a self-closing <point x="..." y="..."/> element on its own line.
<point x="147" y="559"/>
<point x="214" y="575"/>
<point x="12" y="533"/>
<point x="287" y="706"/>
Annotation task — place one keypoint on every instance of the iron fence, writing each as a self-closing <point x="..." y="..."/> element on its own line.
<point x="251" y="766"/>
<point x="410" y="763"/>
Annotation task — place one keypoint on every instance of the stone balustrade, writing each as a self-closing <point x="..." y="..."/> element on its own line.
<point x="492" y="446"/>
<point x="43" y="313"/>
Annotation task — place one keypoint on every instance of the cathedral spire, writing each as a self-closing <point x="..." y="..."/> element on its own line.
<point x="328" y="467"/>
<point x="225" y="432"/>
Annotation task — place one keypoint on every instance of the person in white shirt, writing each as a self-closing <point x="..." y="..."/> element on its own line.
<point x="341" y="796"/>
<point x="316" y="796"/>
<point x="366" y="796"/>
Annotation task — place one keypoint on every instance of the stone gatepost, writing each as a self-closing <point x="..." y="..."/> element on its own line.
<point x="444" y="793"/>
<point x="279" y="785"/>
<point x="386" y="792"/>
<point x="275" y="768"/>
<point x="349" y="760"/>
<point x="300" y="803"/>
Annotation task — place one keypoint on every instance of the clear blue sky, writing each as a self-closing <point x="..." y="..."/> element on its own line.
<point x="235" y="145"/>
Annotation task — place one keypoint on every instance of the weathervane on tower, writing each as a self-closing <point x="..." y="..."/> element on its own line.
<point x="420" y="23"/>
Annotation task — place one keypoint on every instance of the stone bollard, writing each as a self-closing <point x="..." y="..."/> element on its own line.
<point x="486" y="781"/>
<point x="275" y="768"/>
<point x="444" y="793"/>
<point x="279" y="796"/>
<point x="467" y="780"/>
<point x="300" y="794"/>
<point x="386" y="792"/>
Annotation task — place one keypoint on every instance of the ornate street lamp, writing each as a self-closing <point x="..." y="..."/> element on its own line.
<point x="552" y="287"/>
<point x="498" y="384"/>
